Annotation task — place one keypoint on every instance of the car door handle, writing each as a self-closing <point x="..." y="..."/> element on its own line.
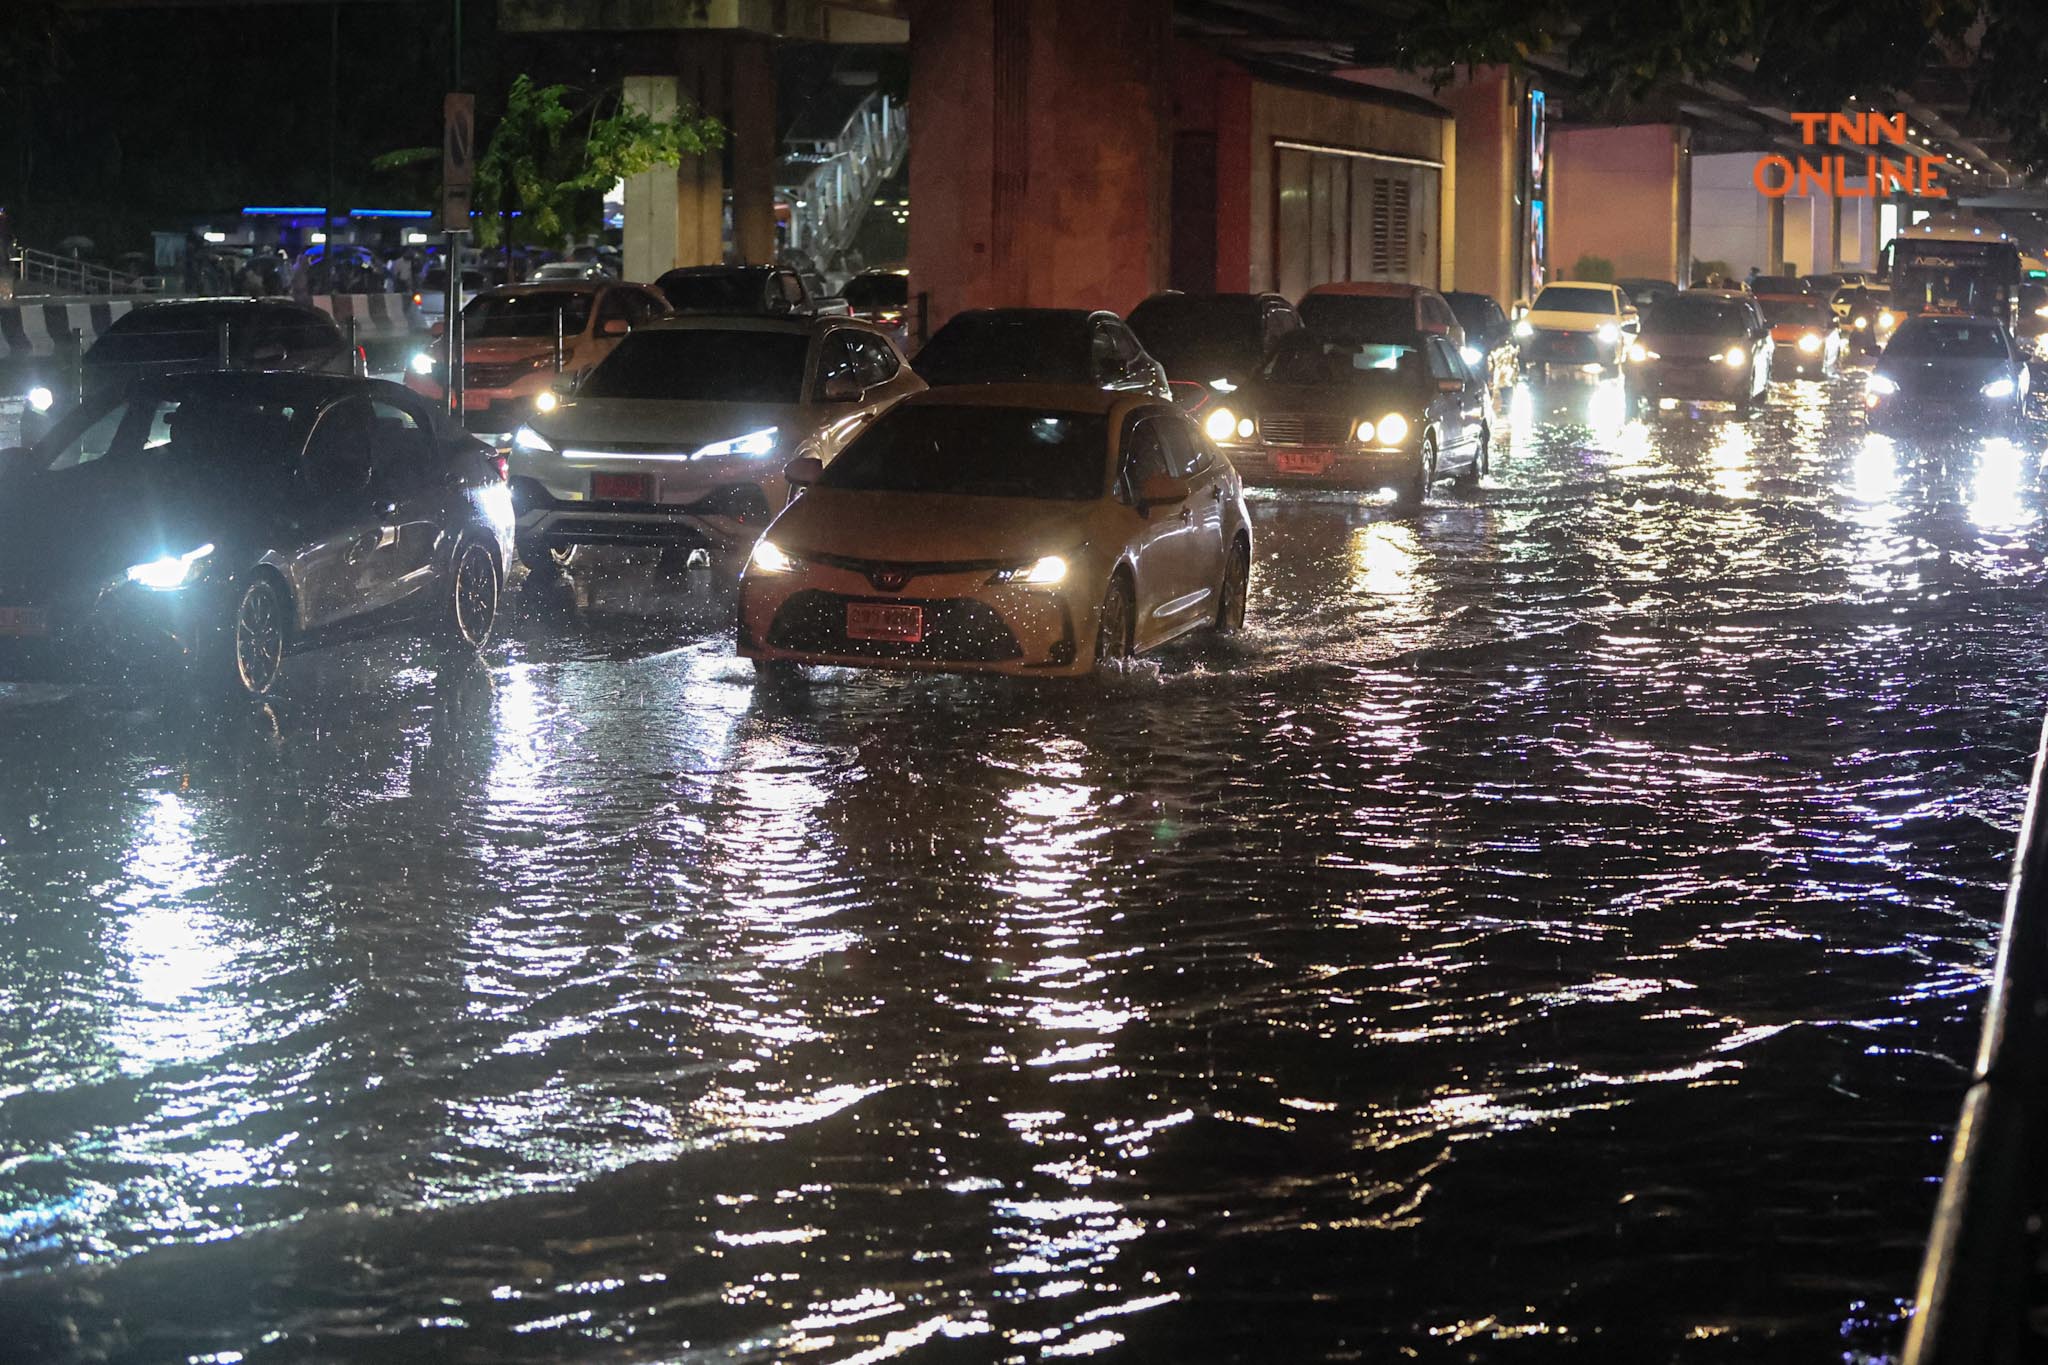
<point x="1187" y="514"/>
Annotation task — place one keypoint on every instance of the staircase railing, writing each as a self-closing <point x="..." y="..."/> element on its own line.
<point x="45" y="272"/>
<point x="827" y="205"/>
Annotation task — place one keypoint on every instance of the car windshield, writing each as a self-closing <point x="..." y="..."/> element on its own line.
<point x="987" y="452"/>
<point x="1801" y="312"/>
<point x="868" y="293"/>
<point x="168" y="336"/>
<point x="525" y="315"/>
<point x="1697" y="315"/>
<point x="1385" y="316"/>
<point x="205" y="434"/>
<point x="1050" y="348"/>
<point x="1318" y="360"/>
<point x="1565" y="298"/>
<point x="718" y="291"/>
<point x="1776" y="284"/>
<point x="1197" y="338"/>
<point x="1975" y="340"/>
<point x="703" y="365"/>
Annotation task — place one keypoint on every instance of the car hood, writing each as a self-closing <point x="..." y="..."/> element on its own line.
<point x="1367" y="397"/>
<point x="510" y="350"/>
<point x="1690" y="345"/>
<point x="1553" y="320"/>
<point x="648" y="421"/>
<point x="1944" y="374"/>
<point x="79" y="529"/>
<point x="928" y="528"/>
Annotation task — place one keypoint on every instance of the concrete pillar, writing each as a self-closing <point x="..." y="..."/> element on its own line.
<point x="1041" y="152"/>
<point x="1774" y="238"/>
<point x="753" y="150"/>
<point x="1615" y="193"/>
<point x="652" y="197"/>
<point x="1486" y="107"/>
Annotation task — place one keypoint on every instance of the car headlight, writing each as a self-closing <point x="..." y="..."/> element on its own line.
<point x="1862" y="324"/>
<point x="40" y="399"/>
<point x="769" y="558"/>
<point x="1042" y="572"/>
<point x="754" y="443"/>
<point x="547" y="400"/>
<point x="1734" y="357"/>
<point x="1999" y="388"/>
<point x="1639" y="352"/>
<point x="1222" y="386"/>
<point x="1220" y="424"/>
<point x="531" y="441"/>
<point x="1809" y="342"/>
<point x="1524" y="328"/>
<point x="421" y="363"/>
<point x="172" y="571"/>
<point x="1472" y="354"/>
<point x="1393" y="429"/>
<point x="1607" y="331"/>
<point x="1881" y="384"/>
<point x="1886" y="317"/>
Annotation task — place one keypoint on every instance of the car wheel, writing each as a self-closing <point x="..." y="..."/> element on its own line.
<point x="253" y="643"/>
<point x="1481" y="460"/>
<point x="1424" y="474"/>
<point x="1113" y="627"/>
<point x="541" y="557"/>
<point x="469" y="606"/>
<point x="777" y="672"/>
<point x="1237" y="582"/>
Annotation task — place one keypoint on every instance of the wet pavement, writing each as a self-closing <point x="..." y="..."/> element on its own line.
<point x="1554" y="934"/>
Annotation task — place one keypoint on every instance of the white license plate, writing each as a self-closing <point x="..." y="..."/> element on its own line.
<point x="884" y="621"/>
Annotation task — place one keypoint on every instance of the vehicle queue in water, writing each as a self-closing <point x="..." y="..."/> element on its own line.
<point x="1041" y="492"/>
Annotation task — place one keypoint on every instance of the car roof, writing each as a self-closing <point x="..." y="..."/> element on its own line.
<point x="235" y="301"/>
<point x="279" y="384"/>
<point x="1078" y="398"/>
<point x="1579" y="284"/>
<point x="1026" y="314"/>
<point x="580" y="286"/>
<point x="801" y="325"/>
<point x="698" y="271"/>
<point x="1370" y="288"/>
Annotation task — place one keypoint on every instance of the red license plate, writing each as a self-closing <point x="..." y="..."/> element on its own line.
<point x="19" y="621"/>
<point x="619" y="488"/>
<point x="884" y="621"/>
<point x="1302" y="461"/>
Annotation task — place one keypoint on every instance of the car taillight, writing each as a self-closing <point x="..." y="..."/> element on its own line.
<point x="419" y="300"/>
<point x="503" y="466"/>
<point x="362" y="361"/>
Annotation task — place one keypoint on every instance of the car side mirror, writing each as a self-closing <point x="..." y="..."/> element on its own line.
<point x="841" y="388"/>
<point x="803" y="471"/>
<point x="614" y="327"/>
<point x="439" y="328"/>
<point x="1163" y="490"/>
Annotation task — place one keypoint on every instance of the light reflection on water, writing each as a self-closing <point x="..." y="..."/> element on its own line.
<point x="1561" y="916"/>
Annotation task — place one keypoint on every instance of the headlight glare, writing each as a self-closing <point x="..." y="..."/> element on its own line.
<point x="531" y="441"/>
<point x="768" y="557"/>
<point x="421" y="363"/>
<point x="1472" y="354"/>
<point x="1524" y="328"/>
<point x="41" y="399"/>
<point x="1639" y="352"/>
<point x="172" y="571"/>
<point x="1735" y="357"/>
<point x="1393" y="429"/>
<point x="1881" y="384"/>
<point x="1042" y="572"/>
<point x="1862" y="324"/>
<point x="547" y="400"/>
<point x="1809" y="342"/>
<point x="1364" y="434"/>
<point x="1221" y="424"/>
<point x="1999" y="388"/>
<point x="1607" y="331"/>
<point x="754" y="443"/>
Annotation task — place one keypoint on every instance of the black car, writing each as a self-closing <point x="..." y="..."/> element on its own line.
<point x="1947" y="373"/>
<point x="1489" y="347"/>
<point x="741" y="290"/>
<point x="1210" y="344"/>
<point x="225" y="520"/>
<point x="1708" y="345"/>
<point x="1328" y="410"/>
<point x="184" y="335"/>
<point x="1643" y="292"/>
<point x="1039" y="346"/>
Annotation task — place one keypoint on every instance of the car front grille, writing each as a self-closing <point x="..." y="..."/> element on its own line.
<point x="1304" y="428"/>
<point x="956" y="630"/>
<point x="494" y="376"/>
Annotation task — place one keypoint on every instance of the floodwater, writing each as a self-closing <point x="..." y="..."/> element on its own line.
<point x="1556" y="933"/>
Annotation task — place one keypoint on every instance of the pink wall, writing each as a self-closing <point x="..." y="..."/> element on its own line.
<point x="1041" y="159"/>
<point x="1616" y="192"/>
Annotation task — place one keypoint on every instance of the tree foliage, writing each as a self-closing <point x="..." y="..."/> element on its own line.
<point x="550" y="162"/>
<point x="1812" y="54"/>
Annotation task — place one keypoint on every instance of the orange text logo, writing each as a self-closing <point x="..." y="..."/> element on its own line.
<point x="1870" y="174"/>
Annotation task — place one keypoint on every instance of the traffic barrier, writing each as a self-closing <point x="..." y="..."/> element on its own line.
<point x="48" y="327"/>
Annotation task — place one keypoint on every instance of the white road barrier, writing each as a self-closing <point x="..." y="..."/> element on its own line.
<point x="46" y="327"/>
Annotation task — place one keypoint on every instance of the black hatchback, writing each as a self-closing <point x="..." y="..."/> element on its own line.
<point x="225" y="520"/>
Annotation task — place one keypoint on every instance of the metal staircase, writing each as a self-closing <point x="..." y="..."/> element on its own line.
<point x="840" y="174"/>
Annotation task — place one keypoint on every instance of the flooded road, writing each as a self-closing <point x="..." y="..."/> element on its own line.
<point x="1555" y="933"/>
